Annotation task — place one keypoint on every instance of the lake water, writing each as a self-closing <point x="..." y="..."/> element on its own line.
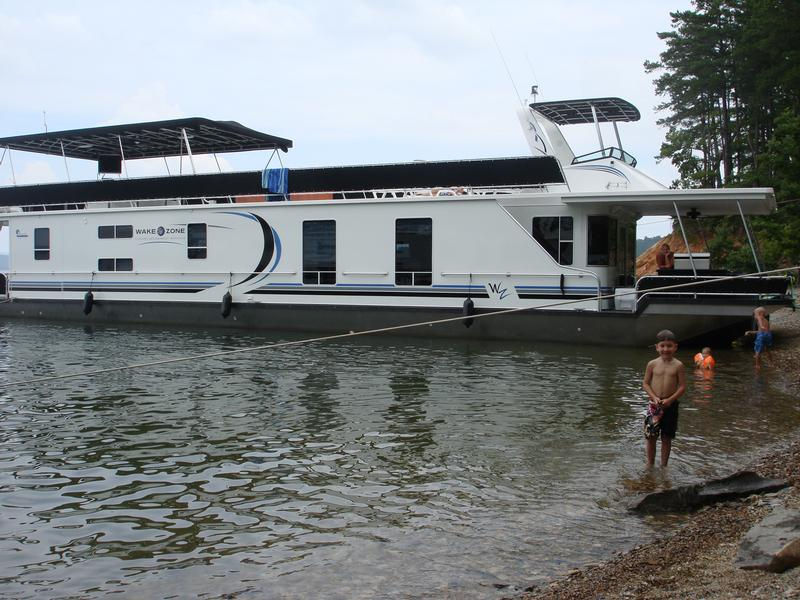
<point x="366" y="468"/>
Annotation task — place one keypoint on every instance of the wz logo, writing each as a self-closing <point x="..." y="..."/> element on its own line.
<point x="498" y="289"/>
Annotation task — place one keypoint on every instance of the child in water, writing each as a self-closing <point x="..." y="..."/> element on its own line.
<point x="665" y="383"/>
<point x="704" y="360"/>
<point x="763" y="334"/>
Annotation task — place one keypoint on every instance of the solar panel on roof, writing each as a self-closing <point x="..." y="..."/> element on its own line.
<point x="571" y="112"/>
<point x="148" y="140"/>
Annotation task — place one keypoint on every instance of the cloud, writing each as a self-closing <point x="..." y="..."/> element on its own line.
<point x="350" y="81"/>
<point x="33" y="171"/>
<point x="263" y="20"/>
<point x="62" y="24"/>
<point x="149" y="102"/>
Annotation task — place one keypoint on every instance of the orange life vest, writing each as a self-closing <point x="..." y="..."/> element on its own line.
<point x="704" y="363"/>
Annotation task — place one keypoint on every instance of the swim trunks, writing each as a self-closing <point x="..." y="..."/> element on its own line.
<point x="651" y="430"/>
<point x="763" y="340"/>
<point x="669" y="422"/>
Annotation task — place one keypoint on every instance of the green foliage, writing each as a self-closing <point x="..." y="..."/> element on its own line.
<point x="730" y="76"/>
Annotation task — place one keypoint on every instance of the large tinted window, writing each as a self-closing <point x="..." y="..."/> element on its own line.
<point x="319" y="252"/>
<point x="105" y="232"/>
<point x="41" y="243"/>
<point x="602" y="241"/>
<point x="413" y="247"/>
<point x="555" y="236"/>
<point x="196" y="240"/>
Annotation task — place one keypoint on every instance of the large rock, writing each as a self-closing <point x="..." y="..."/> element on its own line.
<point x="772" y="545"/>
<point x="691" y="497"/>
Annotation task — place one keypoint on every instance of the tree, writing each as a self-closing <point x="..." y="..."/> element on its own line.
<point x="698" y="80"/>
<point x="730" y="75"/>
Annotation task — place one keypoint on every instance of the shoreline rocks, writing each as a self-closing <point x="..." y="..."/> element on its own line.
<point x="688" y="498"/>
<point x="773" y="544"/>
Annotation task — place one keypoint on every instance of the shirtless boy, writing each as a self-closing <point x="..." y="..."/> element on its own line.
<point x="763" y="334"/>
<point x="665" y="383"/>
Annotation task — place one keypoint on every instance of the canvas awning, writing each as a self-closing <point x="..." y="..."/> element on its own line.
<point x="713" y="202"/>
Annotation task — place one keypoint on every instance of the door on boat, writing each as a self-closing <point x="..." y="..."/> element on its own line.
<point x="626" y="253"/>
<point x="5" y="264"/>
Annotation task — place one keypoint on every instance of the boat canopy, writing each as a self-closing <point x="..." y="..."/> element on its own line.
<point x="689" y="203"/>
<point x="153" y="139"/>
<point x="572" y="112"/>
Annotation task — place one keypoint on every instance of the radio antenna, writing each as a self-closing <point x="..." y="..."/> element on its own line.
<point x="508" y="71"/>
<point x="533" y="71"/>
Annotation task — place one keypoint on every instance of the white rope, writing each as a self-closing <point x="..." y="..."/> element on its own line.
<point x="350" y="334"/>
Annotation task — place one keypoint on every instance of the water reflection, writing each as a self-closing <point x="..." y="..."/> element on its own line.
<point x="377" y="468"/>
<point x="704" y="385"/>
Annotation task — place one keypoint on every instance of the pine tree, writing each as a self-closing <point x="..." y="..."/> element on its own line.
<point x="730" y="76"/>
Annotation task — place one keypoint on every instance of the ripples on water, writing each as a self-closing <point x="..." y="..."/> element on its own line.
<point x="369" y="468"/>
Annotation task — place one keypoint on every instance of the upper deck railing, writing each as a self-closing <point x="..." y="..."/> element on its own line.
<point x="374" y="194"/>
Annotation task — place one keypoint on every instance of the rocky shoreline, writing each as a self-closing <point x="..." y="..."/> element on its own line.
<point x="697" y="561"/>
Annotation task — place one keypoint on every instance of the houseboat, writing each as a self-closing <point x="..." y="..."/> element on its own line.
<point x="535" y="248"/>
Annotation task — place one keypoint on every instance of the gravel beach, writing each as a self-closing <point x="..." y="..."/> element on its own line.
<point x="696" y="561"/>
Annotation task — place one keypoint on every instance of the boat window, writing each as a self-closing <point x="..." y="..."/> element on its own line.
<point x="124" y="264"/>
<point x="413" y="247"/>
<point x="196" y="240"/>
<point x="107" y="232"/>
<point x="602" y="241"/>
<point x="555" y="236"/>
<point x="609" y="152"/>
<point x="319" y="252"/>
<point x="41" y="243"/>
<point x="115" y="264"/>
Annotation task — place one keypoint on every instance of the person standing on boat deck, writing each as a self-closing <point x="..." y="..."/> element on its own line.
<point x="763" y="334"/>
<point x="665" y="258"/>
<point x="664" y="382"/>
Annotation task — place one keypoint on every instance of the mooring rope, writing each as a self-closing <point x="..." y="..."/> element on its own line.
<point x="351" y="334"/>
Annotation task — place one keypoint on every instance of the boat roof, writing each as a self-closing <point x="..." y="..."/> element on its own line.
<point x="688" y="203"/>
<point x="152" y="139"/>
<point x="572" y="112"/>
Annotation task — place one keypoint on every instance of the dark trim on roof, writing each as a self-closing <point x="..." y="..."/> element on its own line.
<point x="343" y="181"/>
<point x="529" y="170"/>
<point x="148" y="140"/>
<point x="571" y="112"/>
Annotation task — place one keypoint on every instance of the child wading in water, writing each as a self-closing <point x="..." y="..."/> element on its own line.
<point x="763" y="334"/>
<point x="704" y="360"/>
<point x="664" y="382"/>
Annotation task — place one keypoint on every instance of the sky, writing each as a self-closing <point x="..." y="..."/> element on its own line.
<point x="349" y="81"/>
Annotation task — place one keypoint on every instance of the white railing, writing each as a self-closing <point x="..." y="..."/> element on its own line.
<point x="333" y="195"/>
